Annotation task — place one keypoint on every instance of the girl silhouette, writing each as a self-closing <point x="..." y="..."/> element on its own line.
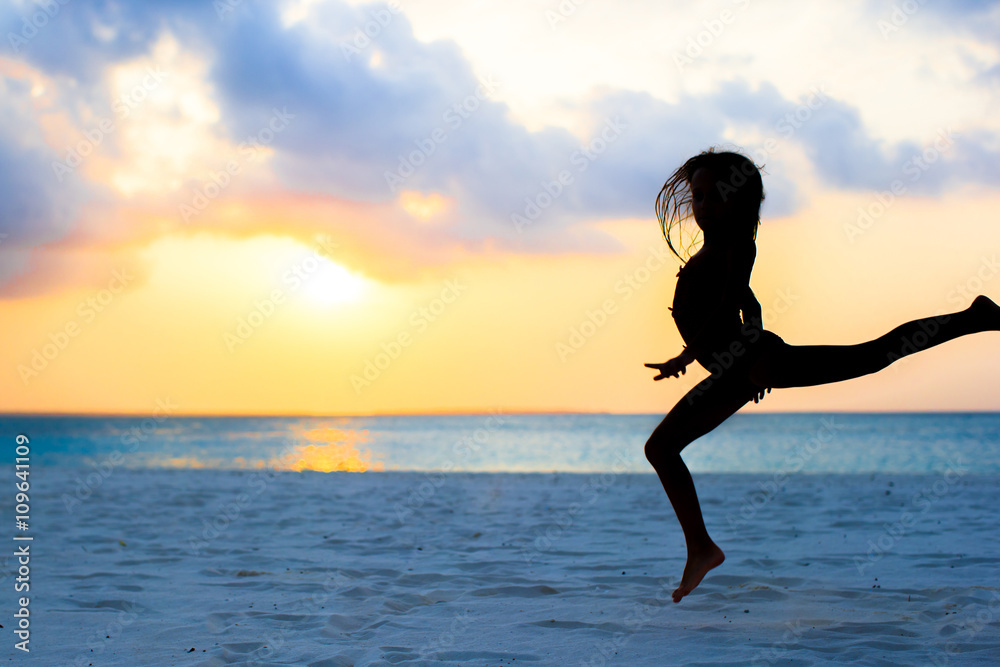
<point x="723" y="192"/>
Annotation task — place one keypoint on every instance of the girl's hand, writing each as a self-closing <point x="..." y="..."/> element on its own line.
<point x="760" y="395"/>
<point x="674" y="368"/>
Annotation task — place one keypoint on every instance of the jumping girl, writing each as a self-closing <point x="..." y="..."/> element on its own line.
<point x="723" y="191"/>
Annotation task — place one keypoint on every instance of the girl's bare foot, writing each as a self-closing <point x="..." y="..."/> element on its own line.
<point x="987" y="313"/>
<point x="698" y="565"/>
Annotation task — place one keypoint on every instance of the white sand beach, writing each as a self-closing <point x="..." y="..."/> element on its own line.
<point x="202" y="567"/>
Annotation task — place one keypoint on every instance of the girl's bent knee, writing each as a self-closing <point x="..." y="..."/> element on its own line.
<point x="658" y="452"/>
<point x="654" y="452"/>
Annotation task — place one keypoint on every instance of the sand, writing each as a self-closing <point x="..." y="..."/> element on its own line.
<point x="207" y="567"/>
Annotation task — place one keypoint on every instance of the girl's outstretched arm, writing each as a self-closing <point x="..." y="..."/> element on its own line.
<point x="675" y="367"/>
<point x="752" y="316"/>
<point x="750" y="308"/>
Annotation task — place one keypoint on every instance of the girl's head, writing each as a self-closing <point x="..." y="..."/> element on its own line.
<point x="721" y="191"/>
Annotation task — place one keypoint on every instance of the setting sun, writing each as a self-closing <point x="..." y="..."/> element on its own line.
<point x="331" y="283"/>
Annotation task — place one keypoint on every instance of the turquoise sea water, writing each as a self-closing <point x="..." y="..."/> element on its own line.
<point x="498" y="442"/>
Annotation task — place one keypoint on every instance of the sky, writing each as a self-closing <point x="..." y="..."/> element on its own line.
<point x="339" y="208"/>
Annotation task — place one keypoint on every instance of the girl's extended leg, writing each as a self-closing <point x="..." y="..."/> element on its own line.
<point x="708" y="404"/>
<point x="808" y="365"/>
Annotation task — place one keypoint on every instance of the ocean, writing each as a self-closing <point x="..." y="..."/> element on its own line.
<point x="497" y="442"/>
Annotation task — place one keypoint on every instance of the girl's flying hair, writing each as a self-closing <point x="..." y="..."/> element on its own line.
<point x="736" y="176"/>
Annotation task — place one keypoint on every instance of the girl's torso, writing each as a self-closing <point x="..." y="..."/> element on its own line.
<point x="708" y="294"/>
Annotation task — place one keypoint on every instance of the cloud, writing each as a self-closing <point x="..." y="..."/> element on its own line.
<point x="416" y="112"/>
<point x="402" y="114"/>
<point x="79" y="39"/>
<point x="34" y="206"/>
